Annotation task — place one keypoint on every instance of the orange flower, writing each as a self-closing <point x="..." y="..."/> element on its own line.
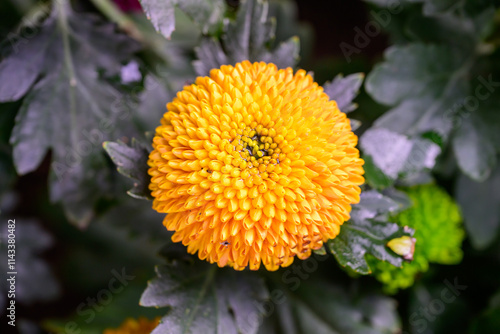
<point x="254" y="164"/>
<point x="133" y="326"/>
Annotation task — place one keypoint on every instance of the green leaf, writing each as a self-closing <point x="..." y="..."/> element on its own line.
<point x="113" y="241"/>
<point x="429" y="87"/>
<point x="153" y="100"/>
<point x="423" y="83"/>
<point x="480" y="204"/>
<point x="206" y="14"/>
<point x="22" y="66"/>
<point x="460" y="29"/>
<point x="413" y="70"/>
<point x="132" y="162"/>
<point x="70" y="110"/>
<point x="387" y="149"/>
<point x="474" y="150"/>
<point x="161" y="13"/>
<point x="488" y="117"/>
<point x="247" y="38"/>
<point x="204" y="299"/>
<point x="318" y="306"/>
<point x="126" y="215"/>
<point x="252" y="29"/>
<point x="344" y="90"/>
<point x="395" y="80"/>
<point x="395" y="154"/>
<point x="367" y="232"/>
<point x="374" y="176"/>
<point x="461" y="24"/>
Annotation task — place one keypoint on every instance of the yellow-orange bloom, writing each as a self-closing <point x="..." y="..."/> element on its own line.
<point x="135" y="326"/>
<point x="254" y="164"/>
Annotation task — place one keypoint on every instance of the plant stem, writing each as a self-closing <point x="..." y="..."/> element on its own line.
<point x="111" y="11"/>
<point x="63" y="7"/>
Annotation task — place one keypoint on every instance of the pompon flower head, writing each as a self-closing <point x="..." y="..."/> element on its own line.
<point x="254" y="165"/>
<point x="135" y="326"/>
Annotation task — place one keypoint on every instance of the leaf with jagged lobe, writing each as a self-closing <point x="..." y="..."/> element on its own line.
<point x="428" y="87"/>
<point x="316" y="305"/>
<point x="420" y="82"/>
<point x="246" y="38"/>
<point x="206" y="299"/>
<point x="436" y="219"/>
<point x="68" y="108"/>
<point x="344" y="89"/>
<point x="368" y="232"/>
<point x="390" y="156"/>
<point x="206" y="14"/>
<point x="480" y="205"/>
<point x="132" y="162"/>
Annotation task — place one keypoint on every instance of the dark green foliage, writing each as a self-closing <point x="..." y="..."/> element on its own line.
<point x="395" y="155"/>
<point x="68" y="109"/>
<point x="480" y="204"/>
<point x="205" y="299"/>
<point x="367" y="232"/>
<point x="63" y="97"/>
<point x="132" y="162"/>
<point x="246" y="38"/>
<point x="206" y="14"/>
<point x="438" y="231"/>
<point x="443" y="80"/>
<point x="318" y="306"/>
<point x="344" y="89"/>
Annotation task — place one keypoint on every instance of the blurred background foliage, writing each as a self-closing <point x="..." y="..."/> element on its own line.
<point x="74" y="74"/>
